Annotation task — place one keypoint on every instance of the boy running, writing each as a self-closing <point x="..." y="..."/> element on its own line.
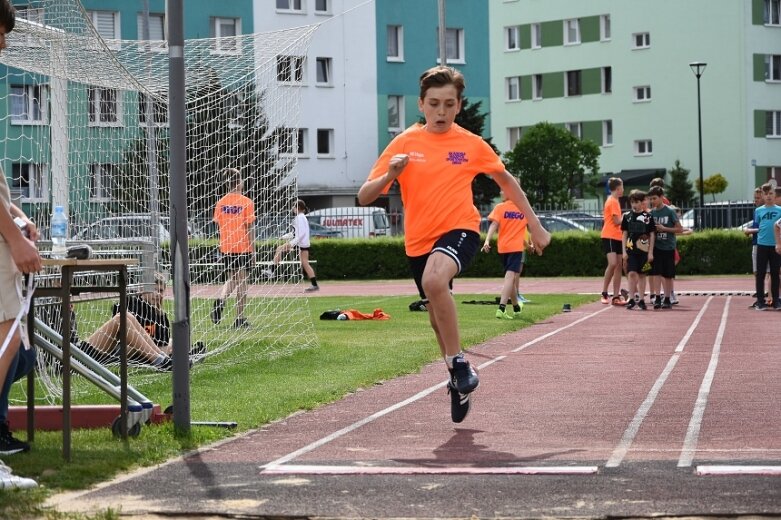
<point x="667" y="225"/>
<point x="638" y="230"/>
<point x="435" y="165"/>
<point x="611" y="241"/>
<point x="511" y="223"/>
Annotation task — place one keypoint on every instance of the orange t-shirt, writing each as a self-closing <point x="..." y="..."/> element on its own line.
<point x="234" y="213"/>
<point x="609" y="228"/>
<point x="512" y="227"/>
<point x="436" y="184"/>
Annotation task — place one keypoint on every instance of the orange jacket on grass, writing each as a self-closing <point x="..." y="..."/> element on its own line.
<point x="234" y="214"/>
<point x="378" y="314"/>
<point x="512" y="227"/>
<point x="436" y="184"/>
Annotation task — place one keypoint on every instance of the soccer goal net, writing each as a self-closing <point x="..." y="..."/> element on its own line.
<point x="86" y="127"/>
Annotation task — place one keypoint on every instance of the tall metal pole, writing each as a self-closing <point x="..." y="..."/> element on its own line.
<point x="698" y="68"/>
<point x="151" y="153"/>
<point x="442" y="30"/>
<point x="178" y="183"/>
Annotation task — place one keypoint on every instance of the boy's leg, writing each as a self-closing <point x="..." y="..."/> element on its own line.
<point x="241" y="292"/>
<point x="509" y="286"/>
<point x="762" y="261"/>
<point x="440" y="269"/>
<point x="775" y="264"/>
<point x="138" y="341"/>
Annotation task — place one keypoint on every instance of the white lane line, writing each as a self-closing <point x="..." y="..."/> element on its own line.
<point x="420" y="395"/>
<point x="311" y="469"/>
<point x="693" y="432"/>
<point x="631" y="432"/>
<point x="771" y="471"/>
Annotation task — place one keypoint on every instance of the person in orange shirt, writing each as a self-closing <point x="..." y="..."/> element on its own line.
<point x="235" y="215"/>
<point x="511" y="224"/>
<point x="435" y="165"/>
<point x="611" y="242"/>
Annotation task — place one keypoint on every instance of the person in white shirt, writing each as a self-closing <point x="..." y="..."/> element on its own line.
<point x="297" y="239"/>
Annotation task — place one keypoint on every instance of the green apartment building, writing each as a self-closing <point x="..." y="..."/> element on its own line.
<point x="617" y="72"/>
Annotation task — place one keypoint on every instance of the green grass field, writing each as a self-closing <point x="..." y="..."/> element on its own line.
<point x="350" y="355"/>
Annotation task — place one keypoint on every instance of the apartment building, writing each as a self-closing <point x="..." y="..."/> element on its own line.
<point x="617" y="72"/>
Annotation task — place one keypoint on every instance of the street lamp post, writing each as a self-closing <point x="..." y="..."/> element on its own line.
<point x="698" y="68"/>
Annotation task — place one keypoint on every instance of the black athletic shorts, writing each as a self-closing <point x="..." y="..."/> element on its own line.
<point x="236" y="261"/>
<point x="611" y="245"/>
<point x="512" y="261"/>
<point x="460" y="244"/>
<point x="664" y="263"/>
<point x="636" y="261"/>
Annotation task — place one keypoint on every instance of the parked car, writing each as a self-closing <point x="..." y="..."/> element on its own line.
<point x="555" y="223"/>
<point x="318" y="231"/>
<point x="587" y="220"/>
<point x="127" y="227"/>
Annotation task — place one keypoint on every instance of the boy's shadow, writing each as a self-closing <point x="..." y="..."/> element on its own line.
<point x="461" y="449"/>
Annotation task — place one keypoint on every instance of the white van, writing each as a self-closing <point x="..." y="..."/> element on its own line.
<point x="353" y="222"/>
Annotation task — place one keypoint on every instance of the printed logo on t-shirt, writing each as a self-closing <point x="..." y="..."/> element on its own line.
<point x="457" y="158"/>
<point x="513" y="215"/>
<point x="417" y="157"/>
<point x="232" y="210"/>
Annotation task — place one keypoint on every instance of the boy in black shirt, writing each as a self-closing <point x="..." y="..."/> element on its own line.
<point x="639" y="234"/>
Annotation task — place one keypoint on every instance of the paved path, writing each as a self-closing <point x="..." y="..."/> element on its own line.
<point x="594" y="413"/>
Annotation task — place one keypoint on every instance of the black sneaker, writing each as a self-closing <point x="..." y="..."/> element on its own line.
<point x="459" y="403"/>
<point x="241" y="323"/>
<point x="630" y="305"/>
<point x="658" y="302"/>
<point x="219" y="305"/>
<point x="10" y="444"/>
<point x="464" y="376"/>
<point x="198" y="349"/>
<point x="777" y="306"/>
<point x="667" y="304"/>
<point x="166" y="366"/>
<point x="760" y="306"/>
<point x="641" y="305"/>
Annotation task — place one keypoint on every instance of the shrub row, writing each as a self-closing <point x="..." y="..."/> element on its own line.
<point x="569" y="254"/>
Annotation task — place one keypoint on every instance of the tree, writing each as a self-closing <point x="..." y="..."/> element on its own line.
<point x="553" y="165"/>
<point x="714" y="184"/>
<point x="680" y="191"/>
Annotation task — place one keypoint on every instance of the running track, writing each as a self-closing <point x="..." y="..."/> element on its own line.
<point x="598" y="412"/>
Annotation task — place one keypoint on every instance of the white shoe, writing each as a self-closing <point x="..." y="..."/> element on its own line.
<point x="268" y="273"/>
<point x="10" y="481"/>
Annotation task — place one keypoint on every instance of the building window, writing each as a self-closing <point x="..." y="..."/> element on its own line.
<point x="512" y="38"/>
<point x="773" y="67"/>
<point x="571" y="31"/>
<point x="324" y="72"/>
<point x="302" y="147"/>
<point x="513" y="88"/>
<point x="773" y="123"/>
<point x="536" y="36"/>
<point x="101" y="181"/>
<point x="607" y="132"/>
<point x="642" y="94"/>
<point x="159" y="111"/>
<point x="31" y="181"/>
<point x="323" y="6"/>
<point x="395" y="51"/>
<point x="575" y="129"/>
<point x="156" y="26"/>
<point x="772" y="12"/>
<point x="103" y="106"/>
<point x="644" y="147"/>
<point x="325" y="142"/>
<point x="641" y="40"/>
<point x="604" y="28"/>
<point x="454" y="45"/>
<point x="514" y="135"/>
<point x="290" y="69"/>
<point x="537" y="86"/>
<point x="224" y="31"/>
<point x="106" y="23"/>
<point x="395" y="114"/>
<point x="573" y="87"/>
<point x="290" y="6"/>
<point x="607" y="80"/>
<point x="29" y="104"/>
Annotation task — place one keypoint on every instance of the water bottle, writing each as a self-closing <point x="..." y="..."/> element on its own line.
<point x="59" y="232"/>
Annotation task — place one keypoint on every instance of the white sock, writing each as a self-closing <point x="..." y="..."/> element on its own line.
<point x="449" y="360"/>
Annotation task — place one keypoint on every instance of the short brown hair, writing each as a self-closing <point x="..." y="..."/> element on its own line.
<point x="658" y="181"/>
<point x="440" y="76"/>
<point x="613" y="183"/>
<point x="656" y="191"/>
<point x="636" y="196"/>
<point x="7" y="15"/>
<point x="767" y="187"/>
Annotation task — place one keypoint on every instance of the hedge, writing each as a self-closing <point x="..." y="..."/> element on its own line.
<point x="569" y="254"/>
